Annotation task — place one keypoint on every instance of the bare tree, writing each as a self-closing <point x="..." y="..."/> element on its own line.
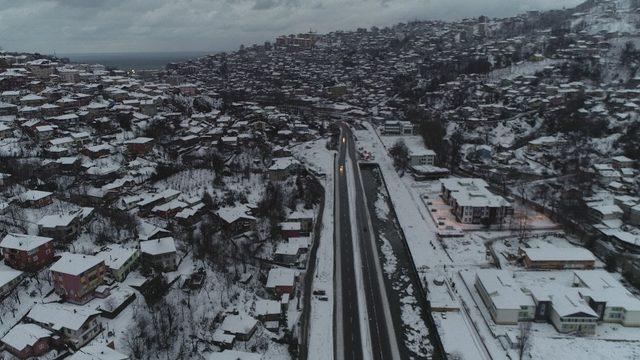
<point x="525" y="335"/>
<point x="136" y="336"/>
<point x="522" y="219"/>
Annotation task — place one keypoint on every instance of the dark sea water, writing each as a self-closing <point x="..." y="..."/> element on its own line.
<point x="133" y="60"/>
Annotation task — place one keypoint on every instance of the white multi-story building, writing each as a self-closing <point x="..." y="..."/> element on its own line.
<point x="503" y="297"/>
<point x="593" y="296"/>
<point x="419" y="157"/>
<point x="472" y="202"/>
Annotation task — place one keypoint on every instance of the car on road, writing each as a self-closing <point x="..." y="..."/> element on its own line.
<point x="341" y="169"/>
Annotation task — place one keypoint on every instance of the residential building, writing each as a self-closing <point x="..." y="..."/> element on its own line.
<point x="472" y="202"/>
<point x="76" y="324"/>
<point x="61" y="227"/>
<point x="75" y="277"/>
<point x="236" y="219"/>
<point x="418" y="157"/>
<point x="27" y="341"/>
<point x="9" y="279"/>
<point x="601" y="212"/>
<point x="97" y="352"/>
<point x="119" y="260"/>
<point x="554" y="258"/>
<point x="304" y="217"/>
<point x="27" y="252"/>
<point x="36" y="198"/>
<point x="234" y="355"/>
<point x="242" y="326"/>
<point x="139" y="146"/>
<point x="281" y="281"/>
<point x="503" y="297"/>
<point x="160" y="253"/>
<point x="282" y="168"/>
<point x="287" y="253"/>
<point x="398" y="128"/>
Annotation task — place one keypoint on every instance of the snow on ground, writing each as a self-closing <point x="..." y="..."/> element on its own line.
<point x="415" y="329"/>
<point x="581" y="348"/>
<point x="382" y="209"/>
<point x="456" y="337"/>
<point x="315" y="155"/>
<point x="468" y="250"/>
<point x="415" y="333"/>
<point x="623" y="21"/>
<point x="524" y="68"/>
<point x="506" y="132"/>
<point x="390" y="261"/>
<point x="18" y="304"/>
<point x="194" y="182"/>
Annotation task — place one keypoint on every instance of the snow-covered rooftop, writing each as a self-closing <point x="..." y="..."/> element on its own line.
<point x="115" y="256"/>
<point x="239" y="324"/>
<point x="281" y="277"/>
<point x="23" y="335"/>
<point x="75" y="264"/>
<point x="234" y="355"/>
<point x="23" y="242"/>
<point x="158" y="246"/>
<point x="97" y="352"/>
<point x="59" y="316"/>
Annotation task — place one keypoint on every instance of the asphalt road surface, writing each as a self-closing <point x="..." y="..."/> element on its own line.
<point x="348" y="344"/>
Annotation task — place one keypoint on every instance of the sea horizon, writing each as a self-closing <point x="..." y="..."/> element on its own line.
<point x="128" y="60"/>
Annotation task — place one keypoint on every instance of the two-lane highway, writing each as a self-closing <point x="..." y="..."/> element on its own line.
<point x="348" y="344"/>
<point x="382" y="340"/>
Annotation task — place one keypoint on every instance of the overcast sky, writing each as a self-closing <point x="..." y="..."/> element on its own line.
<point x="81" y="26"/>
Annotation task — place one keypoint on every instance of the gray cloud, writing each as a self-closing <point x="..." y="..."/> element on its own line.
<point x="181" y="25"/>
